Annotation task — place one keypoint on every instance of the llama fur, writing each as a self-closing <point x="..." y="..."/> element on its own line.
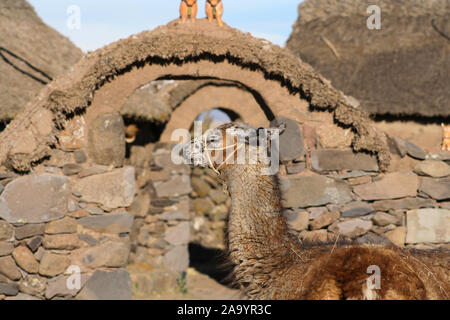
<point x="270" y="263"/>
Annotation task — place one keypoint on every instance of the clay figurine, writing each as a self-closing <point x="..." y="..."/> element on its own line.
<point x="188" y="9"/>
<point x="445" y="137"/>
<point x="131" y="132"/>
<point x="214" y="10"/>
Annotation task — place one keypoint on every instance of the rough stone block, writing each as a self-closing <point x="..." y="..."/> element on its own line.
<point x="311" y="191"/>
<point x="428" y="225"/>
<point x="65" y="225"/>
<point x="356" y="209"/>
<point x="177" y="259"/>
<point x="9" y="269"/>
<point x="178" y="235"/>
<point x="25" y="259"/>
<point x="29" y="230"/>
<point x="104" y="285"/>
<point x="438" y="189"/>
<point x="324" y="220"/>
<point x="112" y="190"/>
<point x="61" y="241"/>
<point x="57" y="287"/>
<point x="35" y="199"/>
<point x="112" y="223"/>
<point x="432" y="168"/>
<point x="53" y="264"/>
<point x="297" y="220"/>
<point x="392" y="186"/>
<point x="291" y="145"/>
<point x="110" y="253"/>
<point x="351" y="228"/>
<point x="175" y="187"/>
<point x="106" y="140"/>
<point x="336" y="160"/>
<point x="6" y="230"/>
<point x="6" y="248"/>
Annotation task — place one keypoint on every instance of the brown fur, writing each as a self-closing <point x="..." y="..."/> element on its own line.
<point x="271" y="264"/>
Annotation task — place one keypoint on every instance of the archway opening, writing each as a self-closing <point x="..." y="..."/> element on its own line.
<point x="213" y="118"/>
<point x="154" y="109"/>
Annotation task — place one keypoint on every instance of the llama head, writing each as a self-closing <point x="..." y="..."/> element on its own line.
<point x="232" y="144"/>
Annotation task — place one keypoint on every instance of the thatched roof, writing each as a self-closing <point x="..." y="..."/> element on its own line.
<point x="112" y="73"/>
<point x="31" y="53"/>
<point x="402" y="69"/>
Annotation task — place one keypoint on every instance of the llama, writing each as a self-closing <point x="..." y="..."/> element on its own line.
<point x="270" y="263"/>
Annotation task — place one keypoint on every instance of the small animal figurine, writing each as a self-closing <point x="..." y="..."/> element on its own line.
<point x="188" y="9"/>
<point x="131" y="132"/>
<point x="214" y="10"/>
<point x="445" y="137"/>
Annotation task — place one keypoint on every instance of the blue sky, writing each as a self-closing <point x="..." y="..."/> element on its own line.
<point x="105" y="21"/>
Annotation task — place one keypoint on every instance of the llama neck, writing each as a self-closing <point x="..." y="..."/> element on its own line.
<point x="259" y="242"/>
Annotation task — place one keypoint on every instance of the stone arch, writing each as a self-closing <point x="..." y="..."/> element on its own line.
<point x="214" y="96"/>
<point x="102" y="81"/>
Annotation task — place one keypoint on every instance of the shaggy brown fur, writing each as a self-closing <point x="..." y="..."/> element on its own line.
<point x="271" y="264"/>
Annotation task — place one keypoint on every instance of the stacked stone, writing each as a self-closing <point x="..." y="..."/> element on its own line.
<point x="64" y="228"/>
<point x="161" y="231"/>
<point x="89" y="209"/>
<point x="209" y="209"/>
<point x="66" y="217"/>
<point x="332" y="193"/>
<point x="337" y="194"/>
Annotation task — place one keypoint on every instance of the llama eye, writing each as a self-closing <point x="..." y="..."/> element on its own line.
<point x="213" y="140"/>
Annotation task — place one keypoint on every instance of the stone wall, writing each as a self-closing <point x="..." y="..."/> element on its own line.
<point x="72" y="214"/>
<point x="161" y="230"/>
<point x="209" y="209"/>
<point x="68" y="216"/>
<point x="81" y="205"/>
<point x="333" y="194"/>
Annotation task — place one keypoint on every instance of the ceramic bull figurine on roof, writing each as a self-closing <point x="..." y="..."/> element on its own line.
<point x="188" y="9"/>
<point x="214" y="10"/>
